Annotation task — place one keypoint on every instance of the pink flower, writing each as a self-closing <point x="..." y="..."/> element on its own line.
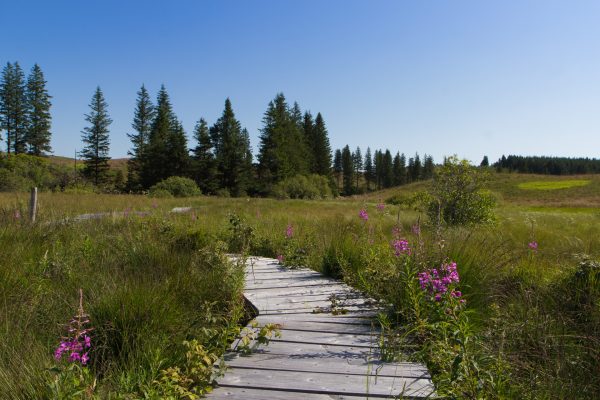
<point x="363" y="215"/>
<point x="416" y="229"/>
<point x="289" y="231"/>
<point x="17" y="214"/>
<point x="280" y="258"/>
<point x="533" y="245"/>
<point x="380" y="207"/>
<point x="401" y="247"/>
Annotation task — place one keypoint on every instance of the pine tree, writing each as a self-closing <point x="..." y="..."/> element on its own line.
<point x="177" y="150"/>
<point x="485" y="162"/>
<point x="358" y="164"/>
<point x="428" y="167"/>
<point x="387" y="171"/>
<point x="308" y="129"/>
<point x="38" y="113"/>
<point x="13" y="108"/>
<point x="232" y="152"/>
<point x="204" y="166"/>
<point x="296" y="115"/>
<point x="347" y="170"/>
<point x="142" y="124"/>
<point x="321" y="147"/>
<point x="378" y="160"/>
<point x="337" y="166"/>
<point x="154" y="160"/>
<point x="283" y="152"/>
<point x="95" y="138"/>
<point x="416" y="170"/>
<point x="397" y="170"/>
<point x="369" y="169"/>
<point x="410" y="169"/>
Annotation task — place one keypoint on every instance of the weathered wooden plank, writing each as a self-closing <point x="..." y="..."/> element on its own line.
<point x="326" y="364"/>
<point x="266" y="394"/>
<point x="299" y="291"/>
<point x="353" y="319"/>
<point x="325" y="383"/>
<point x="314" y="305"/>
<point x="321" y="326"/>
<point x="325" y="338"/>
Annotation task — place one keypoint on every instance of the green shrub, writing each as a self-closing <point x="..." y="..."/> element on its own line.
<point x="177" y="186"/>
<point x="303" y="187"/>
<point x="456" y="196"/>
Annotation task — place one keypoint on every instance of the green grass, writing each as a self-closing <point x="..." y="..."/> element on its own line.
<point x="553" y="185"/>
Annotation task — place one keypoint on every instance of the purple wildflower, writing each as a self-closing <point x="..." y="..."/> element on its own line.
<point x="437" y="282"/>
<point x="289" y="232"/>
<point x="416" y="229"/>
<point x="401" y="247"/>
<point x="17" y="214"/>
<point x="396" y="231"/>
<point x="280" y="258"/>
<point x="78" y="338"/>
<point x="533" y="245"/>
<point x="380" y="207"/>
<point x="363" y="215"/>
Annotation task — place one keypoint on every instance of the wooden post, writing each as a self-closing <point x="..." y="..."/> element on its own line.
<point x="33" y="204"/>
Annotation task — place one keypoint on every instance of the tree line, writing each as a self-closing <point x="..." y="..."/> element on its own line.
<point x="548" y="165"/>
<point x="25" y="110"/>
<point x="380" y="170"/>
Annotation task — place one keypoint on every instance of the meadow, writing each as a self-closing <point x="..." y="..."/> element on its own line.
<point x="529" y="325"/>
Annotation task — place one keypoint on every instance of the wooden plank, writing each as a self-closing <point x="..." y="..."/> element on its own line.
<point x="325" y="364"/>
<point x="326" y="338"/>
<point x="330" y="326"/>
<point x="325" y="383"/>
<point x="265" y="394"/>
<point x="352" y="319"/>
<point x="299" y="291"/>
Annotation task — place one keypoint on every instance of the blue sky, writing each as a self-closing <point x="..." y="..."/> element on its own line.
<point x="436" y="77"/>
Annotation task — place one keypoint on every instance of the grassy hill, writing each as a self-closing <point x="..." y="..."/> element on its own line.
<point x="578" y="192"/>
<point x="115" y="163"/>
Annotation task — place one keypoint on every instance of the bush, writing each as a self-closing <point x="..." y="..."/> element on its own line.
<point x="456" y="196"/>
<point x="176" y="186"/>
<point x="303" y="187"/>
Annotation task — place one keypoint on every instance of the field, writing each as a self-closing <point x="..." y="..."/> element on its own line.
<point x="530" y="326"/>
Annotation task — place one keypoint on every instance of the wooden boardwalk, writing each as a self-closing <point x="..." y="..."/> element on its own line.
<point x="320" y="355"/>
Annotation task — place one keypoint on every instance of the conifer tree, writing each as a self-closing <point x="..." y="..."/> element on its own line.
<point x="308" y="129"/>
<point x="232" y="152"/>
<point x="485" y="162"/>
<point x="177" y="150"/>
<point x="142" y="124"/>
<point x="95" y="139"/>
<point x="283" y="151"/>
<point x="38" y="113"/>
<point x="358" y="164"/>
<point x="396" y="167"/>
<point x="321" y="147"/>
<point x="378" y="160"/>
<point x="369" y="169"/>
<point x="13" y="108"/>
<point x="347" y="170"/>
<point x="204" y="167"/>
<point x="154" y="160"/>
<point x="387" y="171"/>
<point x="410" y="169"/>
<point x="337" y="166"/>
<point x="296" y="115"/>
<point x="428" y="167"/>
<point x="416" y="171"/>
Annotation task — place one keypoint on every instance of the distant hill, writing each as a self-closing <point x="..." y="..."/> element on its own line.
<point x="531" y="190"/>
<point x="115" y="163"/>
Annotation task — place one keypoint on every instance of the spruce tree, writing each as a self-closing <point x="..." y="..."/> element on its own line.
<point x="416" y="171"/>
<point x="142" y="124"/>
<point x="369" y="169"/>
<point x="232" y="152"/>
<point x="485" y="162"/>
<point x="283" y="151"/>
<point x="358" y="164"/>
<point x="153" y="160"/>
<point x="38" y="113"/>
<point x="378" y="161"/>
<point x="204" y="167"/>
<point x="296" y="115"/>
<point x="396" y="167"/>
<point x="387" y="171"/>
<point x="337" y="166"/>
<point x="308" y="129"/>
<point x="348" y="170"/>
<point x="95" y="138"/>
<point x="177" y="150"/>
<point x="428" y="167"/>
<point x="13" y="108"/>
<point x="410" y="170"/>
<point x="321" y="147"/>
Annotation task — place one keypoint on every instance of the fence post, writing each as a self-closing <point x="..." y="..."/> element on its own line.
<point x="33" y="204"/>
